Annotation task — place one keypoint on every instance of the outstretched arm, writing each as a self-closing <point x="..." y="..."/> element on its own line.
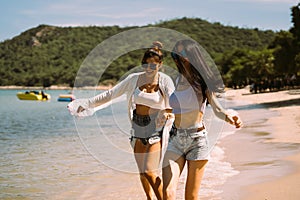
<point x="118" y="90"/>
<point x="229" y="116"/>
<point x="104" y="97"/>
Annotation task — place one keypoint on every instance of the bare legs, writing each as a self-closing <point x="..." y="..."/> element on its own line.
<point x="148" y="158"/>
<point x="173" y="166"/>
<point x="194" y="177"/>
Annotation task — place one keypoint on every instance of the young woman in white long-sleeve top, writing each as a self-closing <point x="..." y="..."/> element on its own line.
<point x="148" y="94"/>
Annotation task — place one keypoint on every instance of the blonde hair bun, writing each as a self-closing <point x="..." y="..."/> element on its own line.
<point x="157" y="45"/>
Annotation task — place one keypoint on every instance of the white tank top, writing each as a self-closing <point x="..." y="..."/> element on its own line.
<point x="152" y="100"/>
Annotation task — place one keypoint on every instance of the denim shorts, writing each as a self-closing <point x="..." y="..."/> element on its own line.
<point x="144" y="128"/>
<point x="191" y="148"/>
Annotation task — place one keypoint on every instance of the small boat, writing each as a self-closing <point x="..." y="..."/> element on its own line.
<point x="66" y="97"/>
<point x="33" y="95"/>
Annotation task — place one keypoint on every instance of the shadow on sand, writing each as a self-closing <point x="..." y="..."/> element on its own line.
<point x="275" y="104"/>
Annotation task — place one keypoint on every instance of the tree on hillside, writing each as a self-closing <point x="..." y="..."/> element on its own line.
<point x="62" y="50"/>
<point x="287" y="47"/>
<point x="295" y="30"/>
<point x="246" y="66"/>
<point x="296" y="33"/>
<point x="284" y="53"/>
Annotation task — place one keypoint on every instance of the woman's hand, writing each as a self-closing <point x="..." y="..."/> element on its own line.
<point x="162" y="117"/>
<point x="80" y="109"/>
<point x="169" y="115"/>
<point x="233" y="118"/>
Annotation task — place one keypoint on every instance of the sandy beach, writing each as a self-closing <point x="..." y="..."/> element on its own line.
<point x="266" y="150"/>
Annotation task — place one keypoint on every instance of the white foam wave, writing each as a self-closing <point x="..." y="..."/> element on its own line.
<point x="216" y="173"/>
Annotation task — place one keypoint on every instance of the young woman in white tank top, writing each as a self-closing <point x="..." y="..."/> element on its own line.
<point x="189" y="143"/>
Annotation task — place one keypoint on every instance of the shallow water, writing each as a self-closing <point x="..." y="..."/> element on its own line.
<point x="47" y="154"/>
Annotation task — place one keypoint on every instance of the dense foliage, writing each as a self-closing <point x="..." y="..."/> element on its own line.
<point x="274" y="67"/>
<point x="49" y="55"/>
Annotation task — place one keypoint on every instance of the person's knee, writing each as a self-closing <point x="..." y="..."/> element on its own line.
<point x="192" y="196"/>
<point x="149" y="174"/>
<point x="143" y="176"/>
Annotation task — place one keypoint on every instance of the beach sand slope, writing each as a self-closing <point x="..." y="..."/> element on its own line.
<point x="269" y="163"/>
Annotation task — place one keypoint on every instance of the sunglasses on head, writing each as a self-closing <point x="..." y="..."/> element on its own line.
<point x="176" y="56"/>
<point x="152" y="66"/>
<point x="151" y="53"/>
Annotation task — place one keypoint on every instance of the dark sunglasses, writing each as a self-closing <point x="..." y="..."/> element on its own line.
<point x="152" y="66"/>
<point x="176" y="56"/>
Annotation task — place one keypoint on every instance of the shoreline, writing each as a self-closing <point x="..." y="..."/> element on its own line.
<point x="55" y="87"/>
<point x="267" y="150"/>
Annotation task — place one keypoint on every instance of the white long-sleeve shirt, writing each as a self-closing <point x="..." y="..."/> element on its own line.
<point x="127" y="87"/>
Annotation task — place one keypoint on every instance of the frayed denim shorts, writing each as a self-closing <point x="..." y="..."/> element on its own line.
<point x="144" y="128"/>
<point x="192" y="146"/>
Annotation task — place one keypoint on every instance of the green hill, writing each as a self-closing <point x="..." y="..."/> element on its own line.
<point x="48" y="55"/>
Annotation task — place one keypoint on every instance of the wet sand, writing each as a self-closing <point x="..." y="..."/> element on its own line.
<point x="266" y="150"/>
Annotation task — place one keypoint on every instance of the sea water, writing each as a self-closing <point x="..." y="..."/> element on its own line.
<point x="48" y="154"/>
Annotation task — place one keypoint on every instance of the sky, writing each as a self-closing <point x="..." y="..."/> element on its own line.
<point x="17" y="16"/>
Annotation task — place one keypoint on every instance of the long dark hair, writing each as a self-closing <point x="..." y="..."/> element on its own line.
<point x="203" y="73"/>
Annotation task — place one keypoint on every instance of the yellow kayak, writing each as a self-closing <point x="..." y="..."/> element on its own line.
<point x="33" y="95"/>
